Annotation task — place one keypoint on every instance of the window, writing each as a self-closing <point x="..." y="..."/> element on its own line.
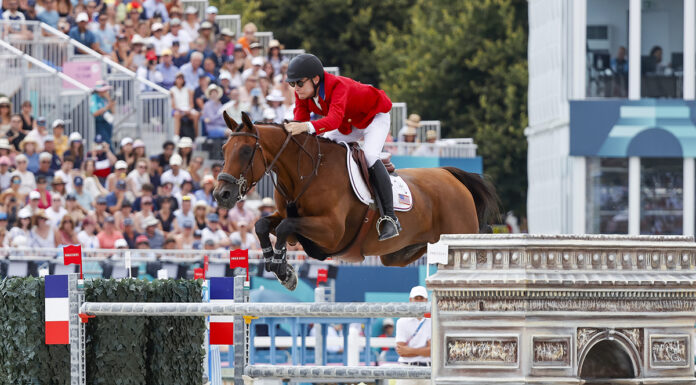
<point x="662" y="48"/>
<point x="607" y="42"/>
<point x="607" y="194"/>
<point x="661" y="196"/>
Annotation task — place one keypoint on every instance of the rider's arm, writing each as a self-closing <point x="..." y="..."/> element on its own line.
<point x="333" y="120"/>
<point x="301" y="109"/>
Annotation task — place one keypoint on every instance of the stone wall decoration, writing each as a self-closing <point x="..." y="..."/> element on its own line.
<point x="635" y="335"/>
<point x="482" y="351"/>
<point x="584" y="335"/>
<point x="551" y="351"/>
<point x="669" y="351"/>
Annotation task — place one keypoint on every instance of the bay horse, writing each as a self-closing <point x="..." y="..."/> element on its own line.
<point x="317" y="206"/>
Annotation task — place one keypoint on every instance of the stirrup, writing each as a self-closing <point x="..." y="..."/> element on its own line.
<point x="392" y="221"/>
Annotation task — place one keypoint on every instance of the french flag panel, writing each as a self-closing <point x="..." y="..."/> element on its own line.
<point x="57" y="310"/>
<point x="221" y="327"/>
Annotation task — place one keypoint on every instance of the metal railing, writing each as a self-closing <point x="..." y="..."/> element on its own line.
<point x="233" y="22"/>
<point x="291" y="53"/>
<point x="54" y="48"/>
<point x="264" y="38"/>
<point x="53" y="95"/>
<point x="443" y="149"/>
<point x="398" y="118"/>
<point x="200" y="6"/>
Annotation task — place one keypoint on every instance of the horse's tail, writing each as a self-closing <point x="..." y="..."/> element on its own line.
<point x="485" y="197"/>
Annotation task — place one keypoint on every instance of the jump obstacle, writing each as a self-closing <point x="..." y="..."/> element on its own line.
<point x="513" y="309"/>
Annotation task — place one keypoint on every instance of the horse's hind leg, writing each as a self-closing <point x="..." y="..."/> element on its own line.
<point x="404" y="256"/>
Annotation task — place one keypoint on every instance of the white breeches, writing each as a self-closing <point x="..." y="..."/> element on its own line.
<point x="373" y="135"/>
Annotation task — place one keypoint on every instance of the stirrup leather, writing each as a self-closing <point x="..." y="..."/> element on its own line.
<point x="388" y="219"/>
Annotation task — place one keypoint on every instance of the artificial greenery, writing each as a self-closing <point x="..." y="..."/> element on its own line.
<point x="120" y="350"/>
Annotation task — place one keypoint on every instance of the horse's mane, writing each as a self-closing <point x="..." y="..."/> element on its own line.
<point x="302" y="135"/>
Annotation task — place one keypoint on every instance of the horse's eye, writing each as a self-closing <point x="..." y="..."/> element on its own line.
<point x="245" y="152"/>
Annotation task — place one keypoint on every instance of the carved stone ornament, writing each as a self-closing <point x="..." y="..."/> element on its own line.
<point x="551" y="351"/>
<point x="467" y="351"/>
<point x="584" y="336"/>
<point x="669" y="351"/>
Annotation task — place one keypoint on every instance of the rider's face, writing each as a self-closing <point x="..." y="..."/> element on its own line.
<point x="306" y="91"/>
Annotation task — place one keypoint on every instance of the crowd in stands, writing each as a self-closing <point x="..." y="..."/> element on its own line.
<point x="54" y="193"/>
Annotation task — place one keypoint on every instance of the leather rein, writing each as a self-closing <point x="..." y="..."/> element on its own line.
<point x="242" y="181"/>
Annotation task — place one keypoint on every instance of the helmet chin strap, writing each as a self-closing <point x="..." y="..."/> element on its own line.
<point x="316" y="89"/>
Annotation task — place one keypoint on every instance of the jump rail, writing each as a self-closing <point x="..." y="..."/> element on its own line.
<point x="327" y="372"/>
<point x="328" y="310"/>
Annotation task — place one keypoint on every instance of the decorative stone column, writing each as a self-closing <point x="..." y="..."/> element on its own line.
<point x="527" y="309"/>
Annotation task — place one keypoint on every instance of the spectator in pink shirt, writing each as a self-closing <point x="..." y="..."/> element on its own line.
<point x="107" y="237"/>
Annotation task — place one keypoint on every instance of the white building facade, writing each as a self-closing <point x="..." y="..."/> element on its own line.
<point x="611" y="116"/>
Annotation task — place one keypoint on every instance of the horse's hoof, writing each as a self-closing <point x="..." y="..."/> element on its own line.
<point x="290" y="281"/>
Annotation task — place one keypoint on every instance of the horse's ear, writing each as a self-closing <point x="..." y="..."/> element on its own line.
<point x="230" y="122"/>
<point x="247" y="121"/>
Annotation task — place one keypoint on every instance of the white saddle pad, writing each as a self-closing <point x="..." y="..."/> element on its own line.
<point x="403" y="200"/>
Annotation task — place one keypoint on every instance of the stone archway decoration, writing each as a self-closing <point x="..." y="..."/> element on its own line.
<point x="527" y="309"/>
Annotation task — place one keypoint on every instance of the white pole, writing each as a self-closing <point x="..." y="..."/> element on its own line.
<point x="634" y="49"/>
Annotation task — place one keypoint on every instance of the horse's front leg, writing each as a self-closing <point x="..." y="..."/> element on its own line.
<point x="264" y="226"/>
<point x="309" y="227"/>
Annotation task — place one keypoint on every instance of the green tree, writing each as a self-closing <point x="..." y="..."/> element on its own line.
<point x="465" y="63"/>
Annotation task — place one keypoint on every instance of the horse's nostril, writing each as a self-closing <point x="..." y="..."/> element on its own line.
<point x="225" y="194"/>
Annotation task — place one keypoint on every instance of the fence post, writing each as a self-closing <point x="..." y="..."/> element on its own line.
<point x="241" y="359"/>
<point x="76" y="296"/>
<point x="319" y="343"/>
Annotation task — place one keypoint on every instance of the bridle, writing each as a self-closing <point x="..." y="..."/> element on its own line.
<point x="242" y="181"/>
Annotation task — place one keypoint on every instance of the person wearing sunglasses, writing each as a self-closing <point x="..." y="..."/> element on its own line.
<point x="352" y="111"/>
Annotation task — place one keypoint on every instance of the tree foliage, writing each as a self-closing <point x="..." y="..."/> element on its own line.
<point x="464" y="63"/>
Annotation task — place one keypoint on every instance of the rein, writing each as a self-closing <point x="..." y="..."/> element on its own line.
<point x="241" y="182"/>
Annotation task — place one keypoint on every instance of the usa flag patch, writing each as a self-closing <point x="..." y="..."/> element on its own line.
<point x="404" y="199"/>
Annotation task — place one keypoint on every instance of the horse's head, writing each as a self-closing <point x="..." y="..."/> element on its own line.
<point x="244" y="164"/>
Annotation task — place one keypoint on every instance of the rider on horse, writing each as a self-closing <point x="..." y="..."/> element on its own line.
<point x="352" y="111"/>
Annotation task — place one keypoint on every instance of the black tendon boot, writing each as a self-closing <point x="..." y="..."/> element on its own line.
<point x="388" y="225"/>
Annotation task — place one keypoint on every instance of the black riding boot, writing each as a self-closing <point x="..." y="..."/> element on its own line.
<point x="388" y="225"/>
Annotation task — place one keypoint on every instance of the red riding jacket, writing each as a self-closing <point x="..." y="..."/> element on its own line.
<point x="345" y="103"/>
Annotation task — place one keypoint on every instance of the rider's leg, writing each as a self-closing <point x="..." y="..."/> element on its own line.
<point x="375" y="134"/>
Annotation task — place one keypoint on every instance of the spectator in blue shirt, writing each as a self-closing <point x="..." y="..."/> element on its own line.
<point x="49" y="15"/>
<point x="153" y="7"/>
<point x="83" y="35"/>
<point x="192" y="70"/>
<point x="167" y="68"/>
<point x="105" y="35"/>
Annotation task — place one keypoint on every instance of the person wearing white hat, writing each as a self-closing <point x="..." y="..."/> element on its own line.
<point x="212" y="116"/>
<point x="255" y="69"/>
<point x="22" y="227"/>
<point x="269" y="115"/>
<point x="27" y="177"/>
<point x="275" y="57"/>
<point x="157" y="38"/>
<point x="178" y="34"/>
<point x="413" y="338"/>
<point x="82" y="34"/>
<point x="76" y="149"/>
<point x="175" y="175"/>
<point x="210" y="15"/>
<point x="275" y="101"/>
<point x="190" y="24"/>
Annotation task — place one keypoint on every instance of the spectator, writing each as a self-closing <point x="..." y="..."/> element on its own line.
<point x="255" y="69"/>
<point x="109" y="235"/>
<point x="139" y="176"/>
<point x="139" y="149"/>
<point x="64" y="7"/>
<point x="129" y="233"/>
<point x="190" y="24"/>
<point x="22" y="228"/>
<point x="149" y="71"/>
<point x="126" y="212"/>
<point x="126" y="153"/>
<point x="199" y="98"/>
<point x="44" y="194"/>
<point x="223" y="220"/>
<point x="249" y="31"/>
<point x="254" y="50"/>
<point x="44" y="169"/>
<point x="194" y="169"/>
<point x="209" y="69"/>
<point x="205" y="194"/>
<point x="104" y="34"/>
<point x="122" y="53"/>
<point x="244" y="237"/>
<point x="199" y="213"/>
<point x="28" y="183"/>
<point x="50" y="148"/>
<point x="83" y="35"/>
<point x="180" y="36"/>
<point x="167" y="69"/>
<point x="250" y="84"/>
<point x="216" y="169"/>
<point x="182" y="105"/>
<point x="155" y="171"/>
<point x="154" y="235"/>
<point x="275" y="101"/>
<point x="75" y="211"/>
<point x="15" y="134"/>
<point x="185" y="212"/>
<point x="212" y="116"/>
<point x="210" y="15"/>
<point x="76" y="150"/>
<point x="218" y="56"/>
<point x="91" y="182"/>
<point x="166" y="217"/>
<point x="157" y="39"/>
<point x="186" y="238"/>
<point x="178" y="58"/>
<point x="60" y="140"/>
<point x="58" y="187"/>
<point x="267" y="207"/>
<point x="275" y="57"/>
<point x="413" y="338"/>
<point x="213" y="231"/>
<point x="228" y="39"/>
<point x="175" y="175"/>
<point x="65" y="233"/>
<point x="38" y="134"/>
<point x="205" y="32"/>
<point x="387" y="331"/>
<point x="413" y="122"/>
<point x="12" y="13"/>
<point x="153" y="8"/>
<point x="87" y="236"/>
<point x="185" y="147"/>
<point x="138" y="52"/>
<point x="49" y="15"/>
<point x="42" y="235"/>
<point x="653" y="64"/>
<point x="234" y="107"/>
<point x="141" y="242"/>
<point x="27" y="118"/>
<point x="5" y="148"/>
<point x="102" y="107"/>
<point x="5" y="115"/>
<point x="258" y="105"/>
<point x="116" y="199"/>
<point x="192" y="70"/>
<point x="239" y="213"/>
<point x="103" y="159"/>
<point x="100" y="211"/>
<point x="430" y="149"/>
<point x="56" y="211"/>
<point x="120" y="173"/>
<point x="225" y="80"/>
<point x="83" y="197"/>
<point x="5" y="174"/>
<point x="268" y="116"/>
